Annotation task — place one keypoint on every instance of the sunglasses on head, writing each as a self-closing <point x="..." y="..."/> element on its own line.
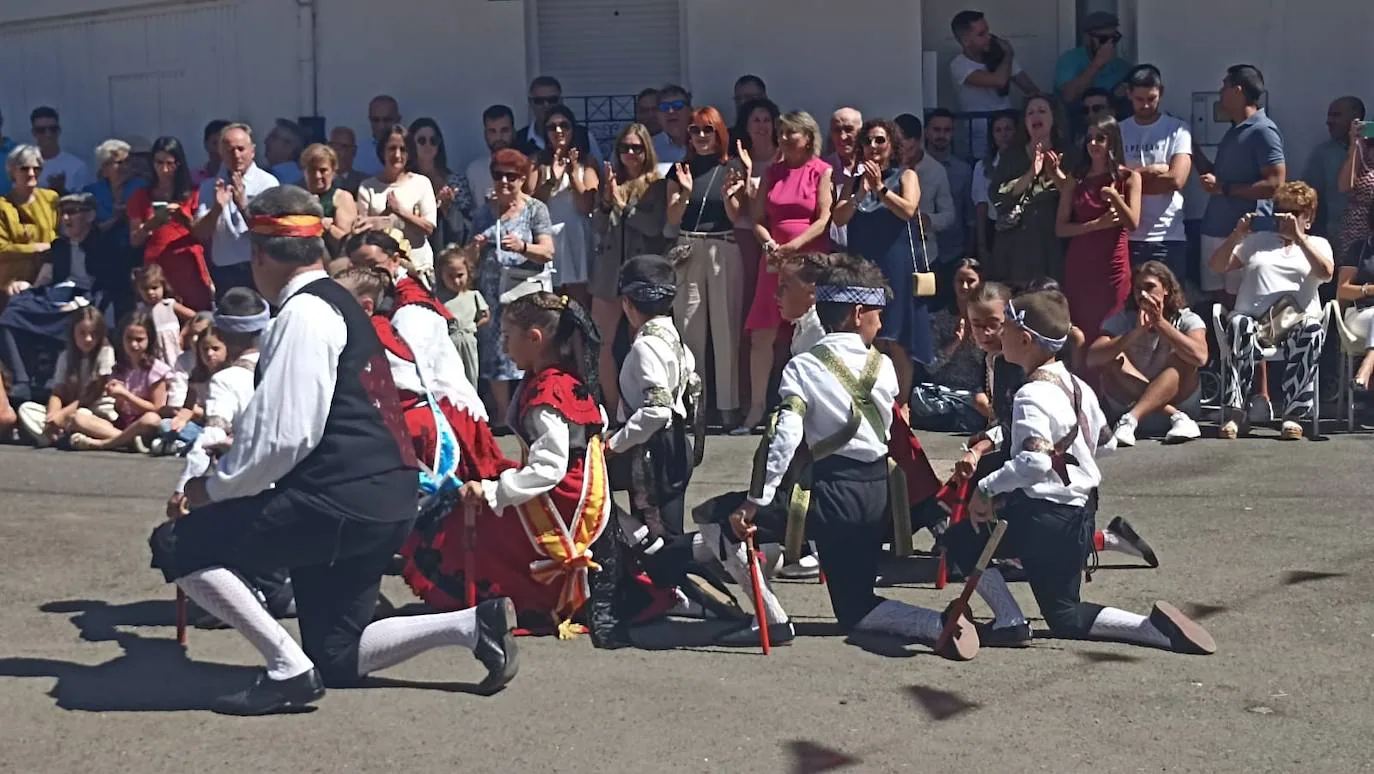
<point x="504" y="176"/>
<point x="545" y="101"/>
<point x="625" y="147"/>
<point x="701" y="131"/>
<point x="672" y="106"/>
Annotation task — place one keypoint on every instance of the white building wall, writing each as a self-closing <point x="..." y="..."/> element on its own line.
<point x="446" y="59"/>
<point x="1310" y="52"/>
<point x="815" y="55"/>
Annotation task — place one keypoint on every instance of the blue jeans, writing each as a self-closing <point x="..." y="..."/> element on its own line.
<point x="1171" y="254"/>
<point x="188" y="435"/>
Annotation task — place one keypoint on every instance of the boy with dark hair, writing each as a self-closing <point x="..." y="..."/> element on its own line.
<point x="839" y="398"/>
<point x="1044" y="493"/>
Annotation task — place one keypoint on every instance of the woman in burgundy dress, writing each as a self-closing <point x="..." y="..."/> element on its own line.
<point x="1099" y="206"/>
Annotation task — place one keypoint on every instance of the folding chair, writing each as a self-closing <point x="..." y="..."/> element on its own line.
<point x="1270" y="355"/>
<point x="1352" y="348"/>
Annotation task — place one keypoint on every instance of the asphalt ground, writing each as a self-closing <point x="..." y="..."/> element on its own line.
<point x="1266" y="541"/>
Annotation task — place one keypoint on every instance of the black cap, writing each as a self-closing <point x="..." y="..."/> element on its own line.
<point x="1100" y="20"/>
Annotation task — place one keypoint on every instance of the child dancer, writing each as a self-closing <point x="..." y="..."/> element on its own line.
<point x="556" y="505"/>
<point x="156" y="299"/>
<point x="465" y="302"/>
<point x="139" y="391"/>
<point x="1044" y="493"/>
<point x="78" y="381"/>
<point x="839" y="398"/>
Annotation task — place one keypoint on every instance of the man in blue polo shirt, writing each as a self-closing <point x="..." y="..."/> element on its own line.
<point x="1249" y="168"/>
<point x="1094" y="63"/>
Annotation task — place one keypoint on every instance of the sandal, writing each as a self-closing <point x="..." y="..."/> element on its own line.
<point x="1290" y="431"/>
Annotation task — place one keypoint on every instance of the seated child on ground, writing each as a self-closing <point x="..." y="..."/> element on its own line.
<point x="78" y="382"/>
<point x="138" y="388"/>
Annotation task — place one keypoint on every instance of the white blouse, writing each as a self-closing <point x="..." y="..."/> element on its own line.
<point x="416" y="194"/>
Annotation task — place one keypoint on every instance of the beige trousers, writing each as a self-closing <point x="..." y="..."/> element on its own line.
<point x="709" y="306"/>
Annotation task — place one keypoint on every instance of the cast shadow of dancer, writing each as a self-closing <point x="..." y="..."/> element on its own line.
<point x="154" y="674"/>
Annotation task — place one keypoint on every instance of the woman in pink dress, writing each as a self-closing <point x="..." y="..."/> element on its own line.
<point x="791" y="217"/>
<point x="1098" y="208"/>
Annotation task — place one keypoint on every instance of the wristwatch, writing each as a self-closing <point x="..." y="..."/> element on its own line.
<point x="883" y="192"/>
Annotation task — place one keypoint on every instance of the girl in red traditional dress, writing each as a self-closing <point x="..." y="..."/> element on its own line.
<point x="557" y="503"/>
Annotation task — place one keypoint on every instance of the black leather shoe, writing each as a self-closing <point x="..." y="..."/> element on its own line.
<point x="496" y="645"/>
<point x="747" y="636"/>
<point x="1185" y="635"/>
<point x="1018" y="636"/>
<point x="1123" y="529"/>
<point x="269" y="697"/>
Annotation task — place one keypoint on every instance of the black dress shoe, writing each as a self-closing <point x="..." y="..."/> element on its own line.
<point x="496" y="645"/>
<point x="269" y="697"/>
<point x="1018" y="636"/>
<point x="747" y="636"/>
<point x="1123" y="529"/>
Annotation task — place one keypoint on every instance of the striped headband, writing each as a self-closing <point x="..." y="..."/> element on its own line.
<point x="1046" y="343"/>
<point x="297" y="226"/>
<point x="850" y="294"/>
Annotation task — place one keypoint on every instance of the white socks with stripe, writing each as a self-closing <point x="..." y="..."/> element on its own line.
<point x="225" y="596"/>
<point x="993" y="590"/>
<point x="902" y="620"/>
<point x="707" y="544"/>
<point x="390" y="641"/>
<point x="1124" y="626"/>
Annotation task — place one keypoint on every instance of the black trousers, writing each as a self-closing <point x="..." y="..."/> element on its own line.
<point x="847" y="522"/>
<point x="1051" y="541"/>
<point x="336" y="563"/>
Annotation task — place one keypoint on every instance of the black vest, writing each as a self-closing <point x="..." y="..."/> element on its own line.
<point x="365" y="435"/>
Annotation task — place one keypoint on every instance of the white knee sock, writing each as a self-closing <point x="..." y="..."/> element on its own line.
<point x="735" y="562"/>
<point x="1122" y="625"/>
<point x="392" y="640"/>
<point x="902" y="620"/>
<point x="224" y="595"/>
<point x="992" y="587"/>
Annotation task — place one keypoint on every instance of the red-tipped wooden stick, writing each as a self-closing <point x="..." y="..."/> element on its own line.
<point x="181" y="617"/>
<point x="470" y="555"/>
<point x="960" y="607"/>
<point x="942" y="569"/>
<point x="756" y="576"/>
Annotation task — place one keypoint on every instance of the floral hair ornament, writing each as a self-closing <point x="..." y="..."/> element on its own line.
<point x="1046" y="343"/>
<point x="296" y="226"/>
<point x="402" y="244"/>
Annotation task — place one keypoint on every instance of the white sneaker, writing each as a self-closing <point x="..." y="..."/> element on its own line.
<point x="1125" y="430"/>
<point x="806" y="567"/>
<point x="155" y="447"/>
<point x="1182" y="428"/>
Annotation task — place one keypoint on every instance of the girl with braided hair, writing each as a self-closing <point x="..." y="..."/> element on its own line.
<point x="557" y="502"/>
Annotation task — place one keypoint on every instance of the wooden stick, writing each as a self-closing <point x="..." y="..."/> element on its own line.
<point x="960" y="607"/>
<point x="756" y="576"/>
<point x="470" y="555"/>
<point x="181" y="617"/>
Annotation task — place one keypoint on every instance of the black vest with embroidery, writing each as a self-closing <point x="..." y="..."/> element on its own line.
<point x="365" y="434"/>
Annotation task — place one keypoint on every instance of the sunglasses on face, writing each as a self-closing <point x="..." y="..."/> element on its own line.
<point x="673" y="106"/>
<point x="502" y="176"/>
<point x="1097" y="139"/>
<point x="54" y="129"/>
<point x="1107" y="37"/>
<point x="383" y="119"/>
<point x="625" y="147"/>
<point x="559" y="126"/>
<point x="545" y="101"/>
<point x="427" y="140"/>
<point x="876" y="140"/>
<point x="1094" y="109"/>
<point x="701" y="131"/>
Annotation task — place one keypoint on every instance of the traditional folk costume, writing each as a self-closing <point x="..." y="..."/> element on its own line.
<point x="1003" y="380"/>
<point x="320" y="480"/>
<point x="838" y="398"/>
<point x="554" y="506"/>
<point x="1044" y="492"/>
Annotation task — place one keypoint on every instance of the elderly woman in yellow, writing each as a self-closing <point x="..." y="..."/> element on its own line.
<point x="28" y="218"/>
